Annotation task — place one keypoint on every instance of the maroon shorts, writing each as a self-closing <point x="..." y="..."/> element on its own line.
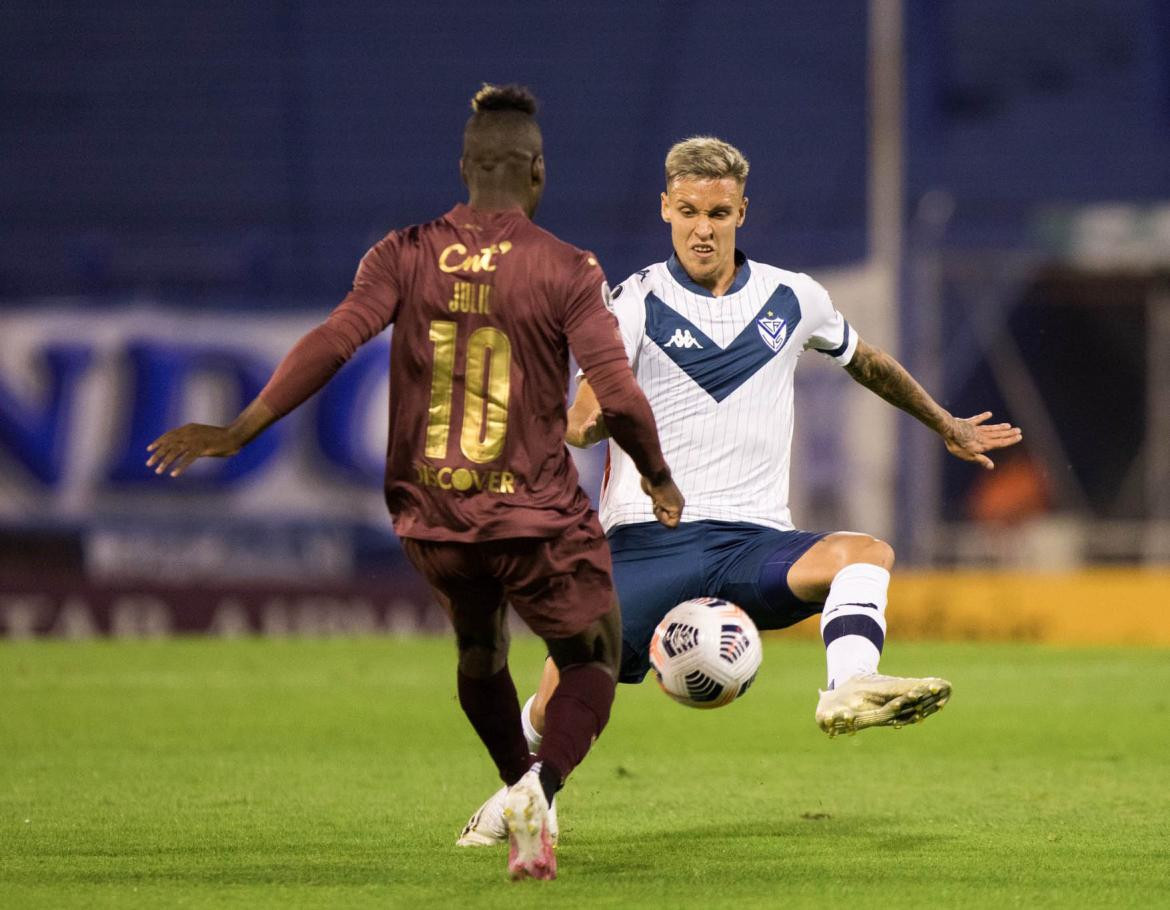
<point x="558" y="585"/>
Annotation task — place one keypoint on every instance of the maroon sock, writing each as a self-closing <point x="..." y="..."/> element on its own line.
<point x="575" y="716"/>
<point x="491" y="706"/>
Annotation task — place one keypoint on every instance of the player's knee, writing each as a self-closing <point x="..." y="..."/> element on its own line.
<point x="480" y="663"/>
<point x="879" y="553"/>
<point x="848" y="549"/>
<point x="599" y="644"/>
<point x="481" y="654"/>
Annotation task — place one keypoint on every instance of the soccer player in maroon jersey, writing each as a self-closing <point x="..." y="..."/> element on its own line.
<point x="484" y="495"/>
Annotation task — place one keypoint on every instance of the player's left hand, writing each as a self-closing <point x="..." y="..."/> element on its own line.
<point x="969" y="437"/>
<point x="183" y="446"/>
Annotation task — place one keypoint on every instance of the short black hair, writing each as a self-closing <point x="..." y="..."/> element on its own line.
<point x="496" y="98"/>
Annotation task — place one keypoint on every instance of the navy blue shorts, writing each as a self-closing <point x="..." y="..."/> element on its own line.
<point x="655" y="568"/>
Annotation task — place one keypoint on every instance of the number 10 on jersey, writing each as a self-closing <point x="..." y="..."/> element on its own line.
<point x="487" y="380"/>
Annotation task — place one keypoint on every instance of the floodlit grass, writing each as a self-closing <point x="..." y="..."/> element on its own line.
<point x="337" y="773"/>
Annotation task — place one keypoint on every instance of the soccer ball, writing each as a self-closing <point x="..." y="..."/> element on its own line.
<point x="706" y="652"/>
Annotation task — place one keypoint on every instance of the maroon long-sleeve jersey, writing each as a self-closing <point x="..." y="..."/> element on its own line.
<point x="486" y="307"/>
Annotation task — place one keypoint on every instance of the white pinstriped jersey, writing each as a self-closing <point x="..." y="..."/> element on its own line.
<point x="718" y="374"/>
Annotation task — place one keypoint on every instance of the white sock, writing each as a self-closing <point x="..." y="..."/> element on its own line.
<point x="853" y="622"/>
<point x="530" y="733"/>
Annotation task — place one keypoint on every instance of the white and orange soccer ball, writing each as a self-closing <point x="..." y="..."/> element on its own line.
<point x="706" y="652"/>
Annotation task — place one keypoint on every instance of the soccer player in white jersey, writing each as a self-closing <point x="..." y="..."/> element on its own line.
<point x="713" y="339"/>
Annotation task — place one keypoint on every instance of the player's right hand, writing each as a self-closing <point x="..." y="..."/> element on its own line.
<point x="667" y="499"/>
<point x="183" y="446"/>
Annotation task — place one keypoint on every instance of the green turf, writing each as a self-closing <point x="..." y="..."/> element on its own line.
<point x="337" y="774"/>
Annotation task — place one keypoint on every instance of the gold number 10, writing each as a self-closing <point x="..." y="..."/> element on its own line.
<point x="485" y="397"/>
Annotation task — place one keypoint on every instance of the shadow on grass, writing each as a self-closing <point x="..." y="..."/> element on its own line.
<point x="428" y="864"/>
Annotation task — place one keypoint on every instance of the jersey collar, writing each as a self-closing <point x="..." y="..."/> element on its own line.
<point x="679" y="274"/>
<point x="463" y="214"/>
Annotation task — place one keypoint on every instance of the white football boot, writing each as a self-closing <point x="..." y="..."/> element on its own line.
<point x="530" y="848"/>
<point x="873" y="700"/>
<point x="487" y="829"/>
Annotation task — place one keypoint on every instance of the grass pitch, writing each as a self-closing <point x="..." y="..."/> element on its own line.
<point x="337" y="773"/>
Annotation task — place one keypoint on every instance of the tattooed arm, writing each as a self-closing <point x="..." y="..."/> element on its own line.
<point x="966" y="438"/>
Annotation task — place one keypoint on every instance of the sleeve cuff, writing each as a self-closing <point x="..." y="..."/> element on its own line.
<point x="844" y="352"/>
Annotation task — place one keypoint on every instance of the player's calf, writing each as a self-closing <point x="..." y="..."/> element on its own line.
<point x="853" y="621"/>
<point x="493" y="710"/>
<point x="574" y="719"/>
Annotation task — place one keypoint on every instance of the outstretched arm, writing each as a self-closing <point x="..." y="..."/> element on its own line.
<point x="966" y="438"/>
<point x="303" y="371"/>
<point x="365" y="312"/>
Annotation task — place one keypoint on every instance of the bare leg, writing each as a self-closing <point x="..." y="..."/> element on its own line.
<point x="544" y="691"/>
<point x="811" y="576"/>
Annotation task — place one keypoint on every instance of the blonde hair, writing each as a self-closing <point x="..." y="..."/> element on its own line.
<point x="706" y="158"/>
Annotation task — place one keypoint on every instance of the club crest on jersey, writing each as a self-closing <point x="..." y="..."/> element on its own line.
<point x="773" y="330"/>
<point x="682" y="338"/>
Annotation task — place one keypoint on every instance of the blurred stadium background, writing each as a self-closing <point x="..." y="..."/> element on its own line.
<point x="185" y="188"/>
